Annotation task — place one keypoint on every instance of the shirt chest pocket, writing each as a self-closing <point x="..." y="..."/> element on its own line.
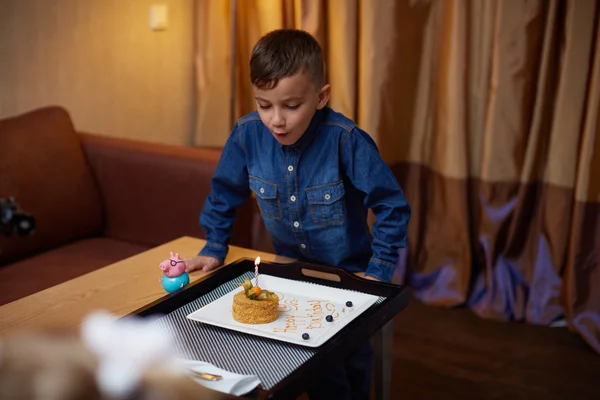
<point x="326" y="203"/>
<point x="266" y="197"/>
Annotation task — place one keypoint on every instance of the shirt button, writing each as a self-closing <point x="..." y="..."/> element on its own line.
<point x="290" y="168"/>
<point x="293" y="198"/>
<point x="327" y="196"/>
<point x="303" y="246"/>
<point x="296" y="224"/>
<point x="262" y="190"/>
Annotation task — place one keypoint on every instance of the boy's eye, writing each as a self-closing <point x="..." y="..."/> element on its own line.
<point x="293" y="107"/>
<point x="264" y="107"/>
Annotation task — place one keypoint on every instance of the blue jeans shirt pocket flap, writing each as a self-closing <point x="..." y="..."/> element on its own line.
<point x="326" y="203"/>
<point x="266" y="197"/>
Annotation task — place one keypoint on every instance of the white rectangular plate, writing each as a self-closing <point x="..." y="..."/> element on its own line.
<point x="303" y="308"/>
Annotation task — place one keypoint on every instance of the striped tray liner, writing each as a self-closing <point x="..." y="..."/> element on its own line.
<point x="271" y="360"/>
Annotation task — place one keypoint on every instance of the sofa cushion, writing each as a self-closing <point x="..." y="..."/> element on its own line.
<point x="43" y="166"/>
<point x="154" y="193"/>
<point x="61" y="264"/>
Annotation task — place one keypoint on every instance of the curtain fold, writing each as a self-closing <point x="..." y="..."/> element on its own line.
<point x="212" y="59"/>
<point x="487" y="112"/>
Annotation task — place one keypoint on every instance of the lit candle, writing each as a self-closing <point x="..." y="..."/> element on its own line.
<point x="256" y="262"/>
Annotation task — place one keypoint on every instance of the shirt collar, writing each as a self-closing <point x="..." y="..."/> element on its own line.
<point x="310" y="133"/>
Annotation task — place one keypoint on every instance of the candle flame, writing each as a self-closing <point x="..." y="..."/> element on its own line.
<point x="257" y="261"/>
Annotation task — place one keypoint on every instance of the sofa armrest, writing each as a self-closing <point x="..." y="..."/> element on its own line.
<point x="153" y="193"/>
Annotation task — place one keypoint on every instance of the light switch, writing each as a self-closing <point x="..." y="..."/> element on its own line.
<point x="159" y="17"/>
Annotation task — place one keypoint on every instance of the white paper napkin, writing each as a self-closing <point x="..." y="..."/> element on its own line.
<point x="231" y="383"/>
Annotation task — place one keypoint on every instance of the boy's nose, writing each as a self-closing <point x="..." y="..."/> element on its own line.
<point x="278" y="120"/>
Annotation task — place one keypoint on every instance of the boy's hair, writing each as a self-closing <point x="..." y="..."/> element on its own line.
<point x="283" y="53"/>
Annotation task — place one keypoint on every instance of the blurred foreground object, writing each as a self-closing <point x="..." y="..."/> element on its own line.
<point x="113" y="359"/>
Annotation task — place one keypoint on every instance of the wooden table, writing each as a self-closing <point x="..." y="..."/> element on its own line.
<point x="119" y="288"/>
<point x="130" y="284"/>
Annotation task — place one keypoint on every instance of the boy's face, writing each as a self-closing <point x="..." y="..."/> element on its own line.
<point x="288" y="108"/>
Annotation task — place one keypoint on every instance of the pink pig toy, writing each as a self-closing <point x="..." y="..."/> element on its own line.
<point x="173" y="267"/>
<point x="175" y="276"/>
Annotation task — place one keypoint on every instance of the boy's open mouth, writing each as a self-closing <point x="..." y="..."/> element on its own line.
<point x="280" y="134"/>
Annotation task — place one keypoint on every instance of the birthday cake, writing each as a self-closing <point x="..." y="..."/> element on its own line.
<point x="254" y="305"/>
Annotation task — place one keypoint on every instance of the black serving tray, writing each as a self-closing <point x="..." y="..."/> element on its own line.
<point x="303" y="364"/>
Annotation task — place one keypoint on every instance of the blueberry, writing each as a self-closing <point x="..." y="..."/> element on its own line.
<point x="329" y="318"/>
<point x="305" y="336"/>
<point x="349" y="304"/>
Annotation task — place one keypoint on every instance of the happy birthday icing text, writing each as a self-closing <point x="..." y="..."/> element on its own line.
<point x="311" y="314"/>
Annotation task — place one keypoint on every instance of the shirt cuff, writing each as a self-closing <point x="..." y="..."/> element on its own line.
<point x="215" y="250"/>
<point x="380" y="269"/>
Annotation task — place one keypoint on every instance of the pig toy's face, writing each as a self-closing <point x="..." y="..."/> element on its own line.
<point x="173" y="267"/>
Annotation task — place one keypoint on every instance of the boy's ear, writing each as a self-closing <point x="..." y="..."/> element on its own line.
<point x="323" y="96"/>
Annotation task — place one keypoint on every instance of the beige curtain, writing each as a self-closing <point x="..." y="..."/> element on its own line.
<point x="487" y="111"/>
<point x="500" y="166"/>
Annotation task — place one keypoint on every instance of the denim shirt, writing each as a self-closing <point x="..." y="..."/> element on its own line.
<point x="313" y="196"/>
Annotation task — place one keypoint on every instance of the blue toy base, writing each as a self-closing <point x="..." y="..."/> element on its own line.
<point x="173" y="284"/>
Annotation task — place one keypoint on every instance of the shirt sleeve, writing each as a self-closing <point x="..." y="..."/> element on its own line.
<point x="229" y="189"/>
<point x="371" y="175"/>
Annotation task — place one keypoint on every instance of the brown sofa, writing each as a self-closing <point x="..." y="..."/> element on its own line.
<point x="96" y="199"/>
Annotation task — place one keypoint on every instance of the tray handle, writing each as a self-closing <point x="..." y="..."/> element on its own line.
<point x="328" y="276"/>
<point x="316" y="273"/>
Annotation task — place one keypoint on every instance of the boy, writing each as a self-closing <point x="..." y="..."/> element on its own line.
<point x="315" y="174"/>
